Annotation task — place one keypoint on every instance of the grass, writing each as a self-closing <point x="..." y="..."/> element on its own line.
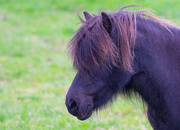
<point x="35" y="71"/>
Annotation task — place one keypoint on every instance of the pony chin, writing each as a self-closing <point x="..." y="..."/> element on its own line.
<point x="88" y="112"/>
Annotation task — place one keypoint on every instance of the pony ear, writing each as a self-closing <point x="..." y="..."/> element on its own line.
<point x="87" y="15"/>
<point x="106" y="22"/>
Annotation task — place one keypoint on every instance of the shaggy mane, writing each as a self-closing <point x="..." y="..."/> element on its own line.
<point x="92" y="45"/>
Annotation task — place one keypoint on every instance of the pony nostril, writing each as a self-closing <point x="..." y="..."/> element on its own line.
<point x="72" y="104"/>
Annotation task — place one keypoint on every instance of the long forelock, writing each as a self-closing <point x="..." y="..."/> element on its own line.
<point x="92" y="46"/>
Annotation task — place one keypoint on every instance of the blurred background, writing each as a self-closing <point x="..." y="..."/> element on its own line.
<point x="35" y="71"/>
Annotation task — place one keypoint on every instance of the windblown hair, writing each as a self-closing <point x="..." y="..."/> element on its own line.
<point x="93" y="45"/>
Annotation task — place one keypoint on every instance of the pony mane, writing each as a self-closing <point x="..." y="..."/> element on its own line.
<point x="92" y="46"/>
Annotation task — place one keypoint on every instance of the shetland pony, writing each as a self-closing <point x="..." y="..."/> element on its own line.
<point x="126" y="52"/>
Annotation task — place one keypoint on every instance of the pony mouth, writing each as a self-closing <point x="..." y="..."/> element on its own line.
<point x="86" y="114"/>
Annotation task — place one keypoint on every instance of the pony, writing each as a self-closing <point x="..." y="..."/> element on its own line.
<point x="126" y="52"/>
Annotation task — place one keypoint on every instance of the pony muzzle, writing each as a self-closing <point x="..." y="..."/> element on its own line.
<point x="82" y="111"/>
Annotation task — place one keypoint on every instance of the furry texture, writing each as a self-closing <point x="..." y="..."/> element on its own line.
<point x="92" y="45"/>
<point x="126" y="52"/>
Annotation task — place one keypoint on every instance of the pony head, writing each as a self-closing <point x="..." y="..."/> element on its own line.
<point x="102" y="53"/>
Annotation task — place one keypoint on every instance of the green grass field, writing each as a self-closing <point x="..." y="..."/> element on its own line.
<point x="35" y="71"/>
